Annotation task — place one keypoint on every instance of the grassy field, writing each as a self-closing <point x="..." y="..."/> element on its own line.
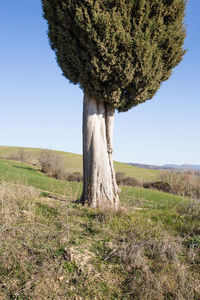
<point x="74" y="163"/>
<point x="52" y="248"/>
<point x="21" y="173"/>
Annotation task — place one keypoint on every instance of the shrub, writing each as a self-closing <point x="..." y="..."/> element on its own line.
<point x="130" y="181"/>
<point x="159" y="185"/>
<point x="21" y="156"/>
<point x="122" y="179"/>
<point x="75" y="177"/>
<point x="52" y="164"/>
<point x="184" y="183"/>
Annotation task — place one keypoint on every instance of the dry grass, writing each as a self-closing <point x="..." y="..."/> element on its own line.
<point x="26" y="259"/>
<point x="155" y="269"/>
<point x="54" y="249"/>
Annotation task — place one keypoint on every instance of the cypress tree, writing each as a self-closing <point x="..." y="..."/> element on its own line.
<point x="119" y="52"/>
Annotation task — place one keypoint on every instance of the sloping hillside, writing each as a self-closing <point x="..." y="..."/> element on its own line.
<point x="52" y="248"/>
<point x="74" y="163"/>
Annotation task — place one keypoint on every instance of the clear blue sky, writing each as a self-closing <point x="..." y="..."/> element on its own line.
<point x="39" y="108"/>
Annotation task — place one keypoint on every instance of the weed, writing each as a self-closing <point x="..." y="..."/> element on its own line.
<point x="70" y="267"/>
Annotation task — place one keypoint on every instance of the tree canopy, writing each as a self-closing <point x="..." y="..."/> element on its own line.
<point x="118" y="51"/>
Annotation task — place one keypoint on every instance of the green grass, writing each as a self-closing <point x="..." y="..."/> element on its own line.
<point x="52" y="248"/>
<point x="16" y="172"/>
<point x="147" y="198"/>
<point x="139" y="173"/>
<point x="74" y="163"/>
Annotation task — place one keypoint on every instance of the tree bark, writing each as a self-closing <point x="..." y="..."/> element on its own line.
<point x="99" y="183"/>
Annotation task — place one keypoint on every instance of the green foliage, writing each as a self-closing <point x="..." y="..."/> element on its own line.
<point x="118" y="51"/>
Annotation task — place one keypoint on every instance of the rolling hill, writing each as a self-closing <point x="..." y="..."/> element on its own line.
<point x="74" y="162"/>
<point x="167" y="167"/>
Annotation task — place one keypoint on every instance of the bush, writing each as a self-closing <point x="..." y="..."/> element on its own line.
<point x="21" y="156"/>
<point x="159" y="185"/>
<point x="122" y="179"/>
<point x="52" y="164"/>
<point x="74" y="177"/>
<point x="131" y="181"/>
<point x="184" y="183"/>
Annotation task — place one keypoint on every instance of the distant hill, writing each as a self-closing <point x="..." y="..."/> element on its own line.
<point x="166" y="167"/>
<point x="144" y="166"/>
<point x="190" y="167"/>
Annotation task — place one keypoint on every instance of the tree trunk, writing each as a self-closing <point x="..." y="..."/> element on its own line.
<point x="99" y="183"/>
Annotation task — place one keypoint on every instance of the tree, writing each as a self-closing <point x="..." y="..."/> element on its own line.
<point x="119" y="52"/>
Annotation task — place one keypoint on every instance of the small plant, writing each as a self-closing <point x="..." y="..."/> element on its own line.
<point x="70" y="267"/>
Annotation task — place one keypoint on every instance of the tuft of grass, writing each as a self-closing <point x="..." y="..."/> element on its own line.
<point x="70" y="267"/>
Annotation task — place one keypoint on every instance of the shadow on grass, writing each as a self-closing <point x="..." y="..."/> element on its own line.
<point x="25" y="168"/>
